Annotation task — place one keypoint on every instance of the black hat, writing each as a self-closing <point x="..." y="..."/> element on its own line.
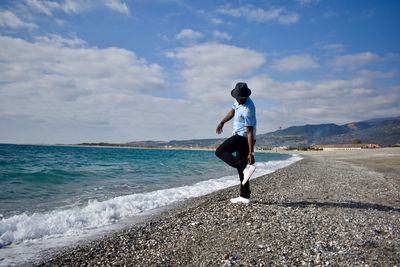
<point x="241" y="90"/>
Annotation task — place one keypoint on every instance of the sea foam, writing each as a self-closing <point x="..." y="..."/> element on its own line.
<point x="80" y="220"/>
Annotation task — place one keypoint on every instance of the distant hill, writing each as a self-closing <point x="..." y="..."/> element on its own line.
<point x="194" y="143"/>
<point x="302" y="136"/>
<point x="384" y="131"/>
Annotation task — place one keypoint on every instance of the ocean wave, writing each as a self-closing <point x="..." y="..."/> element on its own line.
<point x="96" y="214"/>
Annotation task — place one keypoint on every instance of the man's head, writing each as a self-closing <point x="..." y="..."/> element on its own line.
<point x="241" y="100"/>
<point x="241" y="92"/>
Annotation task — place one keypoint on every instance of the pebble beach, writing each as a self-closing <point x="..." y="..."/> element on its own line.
<point x="337" y="208"/>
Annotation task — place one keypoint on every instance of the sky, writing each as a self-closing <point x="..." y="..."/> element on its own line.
<point x="118" y="71"/>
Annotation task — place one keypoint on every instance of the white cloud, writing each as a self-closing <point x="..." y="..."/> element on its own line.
<point x="295" y="63"/>
<point x="118" y="6"/>
<point x="260" y="15"/>
<point x="336" y="47"/>
<point x="9" y="20"/>
<point x="208" y="73"/>
<point x="59" y="41"/>
<point x="76" y="6"/>
<point x="289" y="18"/>
<point x="58" y="89"/>
<point x="354" y="61"/>
<point x="336" y="100"/>
<point x="307" y="2"/>
<point x="58" y="86"/>
<point x="209" y="69"/>
<point x="330" y="14"/>
<point x="216" y="21"/>
<point x="188" y="35"/>
<point x="63" y="91"/>
<point x="48" y="7"/>
<point x="222" y="35"/>
<point x="78" y="66"/>
<point x="368" y="74"/>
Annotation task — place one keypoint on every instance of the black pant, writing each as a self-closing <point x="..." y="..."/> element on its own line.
<point x="236" y="144"/>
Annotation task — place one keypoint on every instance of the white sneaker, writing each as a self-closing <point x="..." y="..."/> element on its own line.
<point x="240" y="200"/>
<point x="248" y="172"/>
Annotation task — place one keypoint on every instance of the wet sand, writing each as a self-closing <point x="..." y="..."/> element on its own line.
<point x="337" y="208"/>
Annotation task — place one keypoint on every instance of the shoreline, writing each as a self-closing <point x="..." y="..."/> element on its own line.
<point x="150" y="148"/>
<point x="336" y="208"/>
<point x="119" y="211"/>
<point x="257" y="150"/>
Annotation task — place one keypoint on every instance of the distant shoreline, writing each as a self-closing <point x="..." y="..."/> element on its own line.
<point x="179" y="148"/>
<point x="137" y="147"/>
<point x="272" y="150"/>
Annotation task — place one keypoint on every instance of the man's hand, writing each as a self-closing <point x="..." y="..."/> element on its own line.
<point x="250" y="159"/>
<point x="220" y="128"/>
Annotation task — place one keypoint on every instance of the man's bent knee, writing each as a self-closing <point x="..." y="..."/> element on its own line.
<point x="218" y="152"/>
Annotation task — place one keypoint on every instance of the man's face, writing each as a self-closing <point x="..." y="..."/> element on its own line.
<point x="241" y="100"/>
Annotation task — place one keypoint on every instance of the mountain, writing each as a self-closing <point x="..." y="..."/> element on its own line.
<point x="384" y="132"/>
<point x="300" y="135"/>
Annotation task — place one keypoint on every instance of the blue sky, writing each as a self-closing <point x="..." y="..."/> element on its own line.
<point x="117" y="71"/>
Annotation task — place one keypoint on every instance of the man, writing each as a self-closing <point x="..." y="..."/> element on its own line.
<point x="242" y="142"/>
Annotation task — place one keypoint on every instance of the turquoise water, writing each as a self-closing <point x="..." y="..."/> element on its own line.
<point x="53" y="192"/>
<point x="40" y="178"/>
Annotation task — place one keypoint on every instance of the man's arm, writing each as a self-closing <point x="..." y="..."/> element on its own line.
<point x="228" y="117"/>
<point x="250" y="141"/>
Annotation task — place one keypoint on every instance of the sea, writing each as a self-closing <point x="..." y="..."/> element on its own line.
<point x="52" y="197"/>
